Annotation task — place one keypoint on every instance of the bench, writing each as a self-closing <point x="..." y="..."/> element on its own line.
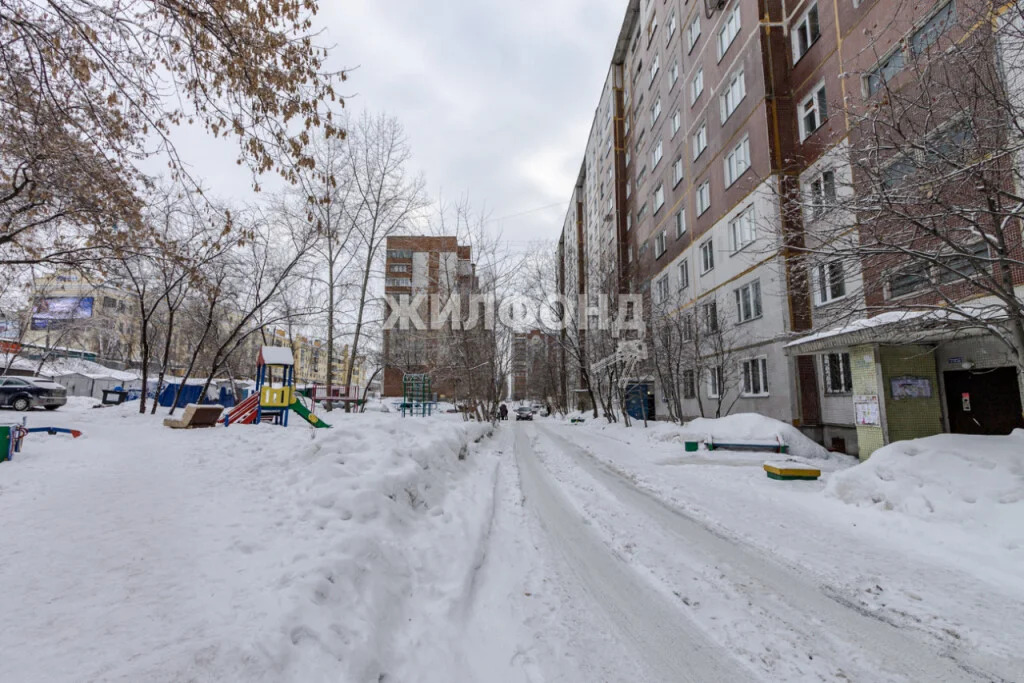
<point x="577" y="420"/>
<point x="785" y="471"/>
<point x="777" y="446"/>
<point x="196" y="417"/>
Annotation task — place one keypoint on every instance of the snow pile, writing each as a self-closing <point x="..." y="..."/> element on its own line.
<point x="747" y="427"/>
<point x="975" y="482"/>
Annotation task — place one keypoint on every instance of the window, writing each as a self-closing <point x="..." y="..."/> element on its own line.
<point x="684" y="274"/>
<point x="629" y="252"/>
<point x="732" y="95"/>
<point x="674" y="73"/>
<point x="642" y="212"/>
<point x="957" y="267"/>
<point x="741" y="229"/>
<point x="748" y="301"/>
<point x="829" y="282"/>
<point x="661" y="289"/>
<point x="711" y="316"/>
<point x="111" y="302"/>
<point x="680" y="223"/>
<point x="672" y="25"/>
<point x="929" y="33"/>
<point x="707" y="257"/>
<point x="836" y="371"/>
<point x="688" y="327"/>
<point x="700" y="140"/>
<point x="628" y="190"/>
<point x="689" y="385"/>
<point x="677" y="171"/>
<point x="886" y="69"/>
<point x="823" y="193"/>
<point x="807" y="31"/>
<point x="628" y="157"/>
<point x="655" y="110"/>
<point x="908" y="281"/>
<point x="755" y="377"/>
<point x="813" y="112"/>
<point x="703" y="197"/>
<point x="716" y="381"/>
<point x="676" y="122"/>
<point x="401" y="268"/>
<point x="737" y="161"/>
<point x="397" y="282"/>
<point x="659" y="197"/>
<point x="697" y="85"/>
<point x="730" y="29"/>
<point x="655" y="66"/>
<point x="693" y="33"/>
<point x="659" y="245"/>
<point x="656" y="154"/>
<point x="629" y="221"/>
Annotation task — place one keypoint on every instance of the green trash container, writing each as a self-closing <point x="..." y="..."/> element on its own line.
<point x="691" y="446"/>
<point x="6" y="442"/>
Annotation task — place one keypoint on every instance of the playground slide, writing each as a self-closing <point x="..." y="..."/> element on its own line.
<point x="244" y="412"/>
<point x="308" y="416"/>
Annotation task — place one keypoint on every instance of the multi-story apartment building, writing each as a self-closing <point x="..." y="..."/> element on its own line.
<point x="535" y="367"/>
<point x="717" y="120"/>
<point x="427" y="265"/>
<point x="311" y="359"/>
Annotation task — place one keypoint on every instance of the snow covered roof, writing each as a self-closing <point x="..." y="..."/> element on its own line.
<point x="276" y="355"/>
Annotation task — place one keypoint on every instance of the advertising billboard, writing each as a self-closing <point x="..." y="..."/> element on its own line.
<point x="53" y="311"/>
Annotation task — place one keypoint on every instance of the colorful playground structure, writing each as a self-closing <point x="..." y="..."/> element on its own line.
<point x="269" y="402"/>
<point x="12" y="437"/>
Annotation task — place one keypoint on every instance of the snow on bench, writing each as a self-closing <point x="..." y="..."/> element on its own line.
<point x="777" y="446"/>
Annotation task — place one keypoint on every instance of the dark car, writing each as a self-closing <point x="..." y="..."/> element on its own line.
<point x="24" y="393"/>
<point x="524" y="413"/>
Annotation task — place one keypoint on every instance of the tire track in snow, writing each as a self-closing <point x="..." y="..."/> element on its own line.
<point x="897" y="653"/>
<point x="667" y="644"/>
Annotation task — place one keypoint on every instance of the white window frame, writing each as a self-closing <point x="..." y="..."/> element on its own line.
<point x="680" y="223"/>
<point x="697" y="85"/>
<point x="731" y="96"/>
<point x="844" y="379"/>
<point x="703" y="195"/>
<point x="672" y="25"/>
<point x="751" y="368"/>
<point x="659" y="197"/>
<point x="660" y="244"/>
<point x="716" y="378"/>
<point x="683" y="270"/>
<point x="803" y="29"/>
<point x="655" y="111"/>
<point x="657" y="152"/>
<point x="742" y="231"/>
<point x="676" y="122"/>
<point x="737" y="161"/>
<point x="822" y="284"/>
<point x="707" y="256"/>
<point x="813" y="103"/>
<point x="677" y="171"/>
<point x="661" y="289"/>
<point x="693" y="33"/>
<point x="700" y="140"/>
<point x="729" y="30"/>
<point x="821" y="193"/>
<point x="749" y="302"/>
<point x="673" y="74"/>
<point x="655" y="68"/>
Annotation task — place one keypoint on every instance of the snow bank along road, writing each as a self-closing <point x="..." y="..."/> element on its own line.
<point x="694" y="605"/>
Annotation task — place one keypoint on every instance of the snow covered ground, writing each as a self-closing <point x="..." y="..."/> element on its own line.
<point x="429" y="549"/>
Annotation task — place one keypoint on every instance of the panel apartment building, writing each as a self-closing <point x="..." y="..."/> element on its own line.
<point x="716" y="121"/>
<point x="422" y="265"/>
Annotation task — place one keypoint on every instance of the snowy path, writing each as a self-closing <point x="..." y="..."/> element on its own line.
<point x="668" y="646"/>
<point x="780" y="608"/>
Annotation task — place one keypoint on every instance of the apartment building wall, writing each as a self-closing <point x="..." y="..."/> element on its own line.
<point x="428" y="265"/>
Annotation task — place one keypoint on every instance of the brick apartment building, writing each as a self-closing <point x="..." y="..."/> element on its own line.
<point x="422" y="265"/>
<point x="716" y="119"/>
<point x="535" y="367"/>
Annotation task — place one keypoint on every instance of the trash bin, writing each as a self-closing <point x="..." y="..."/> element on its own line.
<point x="691" y="446"/>
<point x="114" y="397"/>
<point x="10" y="436"/>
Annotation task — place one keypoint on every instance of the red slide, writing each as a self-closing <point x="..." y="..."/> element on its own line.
<point x="244" y="413"/>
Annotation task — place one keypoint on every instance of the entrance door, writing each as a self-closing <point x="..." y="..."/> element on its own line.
<point x="983" y="401"/>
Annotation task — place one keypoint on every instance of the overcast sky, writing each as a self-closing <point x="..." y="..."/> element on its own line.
<point x="497" y="97"/>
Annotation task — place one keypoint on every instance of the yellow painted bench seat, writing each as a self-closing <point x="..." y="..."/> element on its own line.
<point x="791" y="470"/>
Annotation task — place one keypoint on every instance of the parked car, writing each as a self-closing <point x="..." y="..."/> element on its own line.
<point x="524" y="413"/>
<point x="24" y="393"/>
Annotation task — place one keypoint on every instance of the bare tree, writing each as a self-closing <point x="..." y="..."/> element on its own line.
<point x="920" y="216"/>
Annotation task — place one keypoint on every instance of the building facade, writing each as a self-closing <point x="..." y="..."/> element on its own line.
<point x="436" y="268"/>
<point x="720" y="125"/>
